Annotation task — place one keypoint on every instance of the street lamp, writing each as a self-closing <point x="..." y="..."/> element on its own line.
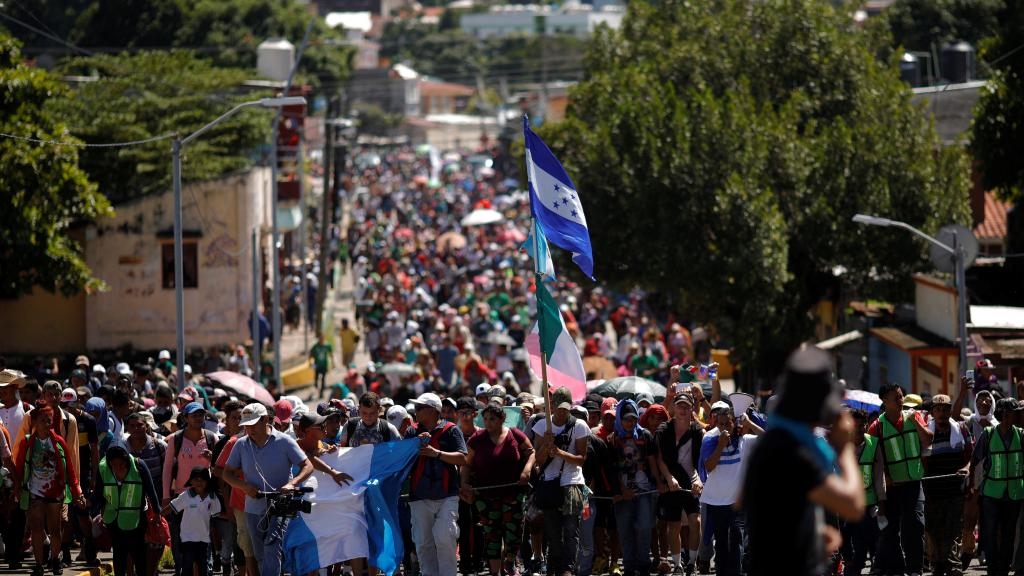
<point x="957" y="250"/>
<point x="179" y="276"/>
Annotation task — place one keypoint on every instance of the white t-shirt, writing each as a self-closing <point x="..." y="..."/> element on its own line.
<point x="723" y="484"/>
<point x="195" y="515"/>
<point x="12" y="417"/>
<point x="571" y="473"/>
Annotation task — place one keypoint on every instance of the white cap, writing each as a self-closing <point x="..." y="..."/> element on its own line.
<point x="483" y="388"/>
<point x="69" y="395"/>
<point x="122" y="368"/>
<point x="99" y="368"/>
<point x="252" y="413"/>
<point x="188" y="369"/>
<point x="396" y="415"/>
<point x="164" y="355"/>
<point x="429" y="399"/>
<point x="721" y="405"/>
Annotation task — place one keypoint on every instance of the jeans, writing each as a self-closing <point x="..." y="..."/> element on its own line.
<point x="638" y="515"/>
<point x="194" y="554"/>
<point x="563" y="538"/>
<point x="999" y="518"/>
<point x="585" y="560"/>
<point x="470" y="539"/>
<point x="227" y="531"/>
<point x="707" y="547"/>
<point x="904" y="510"/>
<point x="435" y="531"/>
<point x="944" y="518"/>
<point x="267" y="536"/>
<point x="728" y="529"/>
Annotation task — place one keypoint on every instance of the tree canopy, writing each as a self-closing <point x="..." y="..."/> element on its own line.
<point x="44" y="189"/>
<point x="997" y="134"/>
<point x="722" y="147"/>
<point x="924" y="24"/>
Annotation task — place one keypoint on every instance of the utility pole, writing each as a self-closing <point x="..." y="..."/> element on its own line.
<point x="326" y="210"/>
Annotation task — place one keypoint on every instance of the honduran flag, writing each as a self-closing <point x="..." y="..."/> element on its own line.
<point x="358" y="520"/>
<point x="549" y="335"/>
<point x="554" y="202"/>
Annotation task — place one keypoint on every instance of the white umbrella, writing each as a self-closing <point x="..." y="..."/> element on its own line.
<point x="481" y="217"/>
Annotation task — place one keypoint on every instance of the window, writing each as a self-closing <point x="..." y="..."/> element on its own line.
<point x="190" y="264"/>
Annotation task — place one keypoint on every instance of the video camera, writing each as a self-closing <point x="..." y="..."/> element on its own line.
<point x="287" y="504"/>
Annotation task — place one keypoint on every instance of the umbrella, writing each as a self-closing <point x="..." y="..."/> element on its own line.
<point x="591" y="384"/>
<point x="242" y="385"/>
<point x="481" y="217"/>
<point x="629" y="387"/>
<point x="451" y="241"/>
<point x="862" y="399"/>
<point x="500" y="339"/>
<point x="397" y="368"/>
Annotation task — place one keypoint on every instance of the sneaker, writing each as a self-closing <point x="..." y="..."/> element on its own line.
<point x="55" y="567"/>
<point x="664" y="567"/>
<point x="509" y="569"/>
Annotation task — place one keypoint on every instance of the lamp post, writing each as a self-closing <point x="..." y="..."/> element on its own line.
<point x="176" y="146"/>
<point x="957" y="250"/>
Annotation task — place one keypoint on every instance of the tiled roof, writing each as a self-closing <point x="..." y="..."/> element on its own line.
<point x="993" y="227"/>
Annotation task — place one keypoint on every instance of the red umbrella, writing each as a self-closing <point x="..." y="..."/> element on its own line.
<point x="242" y="385"/>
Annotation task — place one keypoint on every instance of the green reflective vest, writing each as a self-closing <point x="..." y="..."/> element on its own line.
<point x="901" y="449"/>
<point x="124" y="499"/>
<point x="867" y="463"/>
<point x="61" y="461"/>
<point x="1005" y="472"/>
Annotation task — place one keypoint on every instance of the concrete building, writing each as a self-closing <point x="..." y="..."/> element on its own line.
<point x="133" y="253"/>
<point x="572" y="18"/>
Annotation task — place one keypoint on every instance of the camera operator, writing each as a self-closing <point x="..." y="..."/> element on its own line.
<point x="265" y="457"/>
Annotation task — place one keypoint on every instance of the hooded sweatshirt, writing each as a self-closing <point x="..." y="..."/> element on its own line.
<point x="631" y="450"/>
<point x="981" y="420"/>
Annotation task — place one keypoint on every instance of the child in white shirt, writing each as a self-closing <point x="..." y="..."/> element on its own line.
<point x="196" y="505"/>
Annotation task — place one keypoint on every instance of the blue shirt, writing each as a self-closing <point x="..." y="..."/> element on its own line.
<point x="267" y="467"/>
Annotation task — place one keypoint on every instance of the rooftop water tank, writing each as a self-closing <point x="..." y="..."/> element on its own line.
<point x="274" y="58"/>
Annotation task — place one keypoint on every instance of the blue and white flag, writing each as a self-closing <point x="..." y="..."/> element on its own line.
<point x="540" y="254"/>
<point x="359" y="520"/>
<point x="555" y="203"/>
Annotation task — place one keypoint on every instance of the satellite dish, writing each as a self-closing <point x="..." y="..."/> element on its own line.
<point x="950" y="235"/>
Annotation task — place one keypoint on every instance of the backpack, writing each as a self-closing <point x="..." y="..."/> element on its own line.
<point x="421" y="463"/>
<point x="179" y="439"/>
<point x="382" y="427"/>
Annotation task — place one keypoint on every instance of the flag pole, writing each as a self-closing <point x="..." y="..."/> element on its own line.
<point x="538" y="278"/>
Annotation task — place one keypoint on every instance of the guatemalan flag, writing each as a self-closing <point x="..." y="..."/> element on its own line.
<point x="359" y="520"/>
<point x="565" y="366"/>
<point x="555" y="203"/>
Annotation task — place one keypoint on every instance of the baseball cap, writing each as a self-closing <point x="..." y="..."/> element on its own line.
<point x="683" y="399"/>
<point x="188" y="369"/>
<point x="720" y="405"/>
<point x="608" y="406"/>
<point x="79" y="373"/>
<point x="192" y="408"/>
<point x="579" y="412"/>
<point x="450" y="403"/>
<point x="809" y="393"/>
<point x="984" y="363"/>
<point x="307" y="420"/>
<point x="396" y="415"/>
<point x="82" y="360"/>
<point x="123" y="368"/>
<point x="941" y="400"/>
<point x="164" y="355"/>
<point x="465" y="403"/>
<point x="252" y="413"/>
<point x="387" y="402"/>
<point x="99" y="368"/>
<point x="68" y="396"/>
<point x="645" y="397"/>
<point x="560" y="396"/>
<point x="283" y="411"/>
<point x="428" y="399"/>
<point x="912" y="401"/>
<point x="186" y="396"/>
<point x="483" y="388"/>
<point x="629" y="410"/>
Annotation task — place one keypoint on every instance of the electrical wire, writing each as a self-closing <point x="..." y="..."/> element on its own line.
<point x="87" y="144"/>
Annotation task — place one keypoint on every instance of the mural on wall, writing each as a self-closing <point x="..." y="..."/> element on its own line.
<point x="221" y="252"/>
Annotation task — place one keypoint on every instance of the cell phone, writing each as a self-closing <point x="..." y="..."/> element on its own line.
<point x="970" y="374"/>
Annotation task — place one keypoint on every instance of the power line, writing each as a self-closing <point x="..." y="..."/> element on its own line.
<point x="86" y="144"/>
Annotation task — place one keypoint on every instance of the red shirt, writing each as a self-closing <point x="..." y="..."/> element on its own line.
<point x="876" y="427"/>
<point x="494" y="465"/>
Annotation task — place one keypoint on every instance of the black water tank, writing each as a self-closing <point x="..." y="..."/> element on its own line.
<point x="910" y="69"/>
<point x="957" y="62"/>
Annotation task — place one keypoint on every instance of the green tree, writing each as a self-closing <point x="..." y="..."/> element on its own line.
<point x="44" y="190"/>
<point x="722" y="147"/>
<point x="148" y="94"/>
<point x="997" y="134"/>
<point x="922" y="24"/>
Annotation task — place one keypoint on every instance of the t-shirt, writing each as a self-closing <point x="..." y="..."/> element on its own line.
<point x="722" y="485"/>
<point x="785" y="528"/>
<point x="321" y="354"/>
<point x="190" y="456"/>
<point x="364" y="434"/>
<point x="153" y="455"/>
<point x="268" y="467"/>
<point x="438" y="479"/>
<point x="43" y="469"/>
<point x="237" y="499"/>
<point x="87" y="436"/>
<point x="12" y="416"/>
<point x="496" y="464"/>
<point x="195" y="514"/>
<point x="680" y="455"/>
<point x="572" y="475"/>
<point x="630" y="456"/>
